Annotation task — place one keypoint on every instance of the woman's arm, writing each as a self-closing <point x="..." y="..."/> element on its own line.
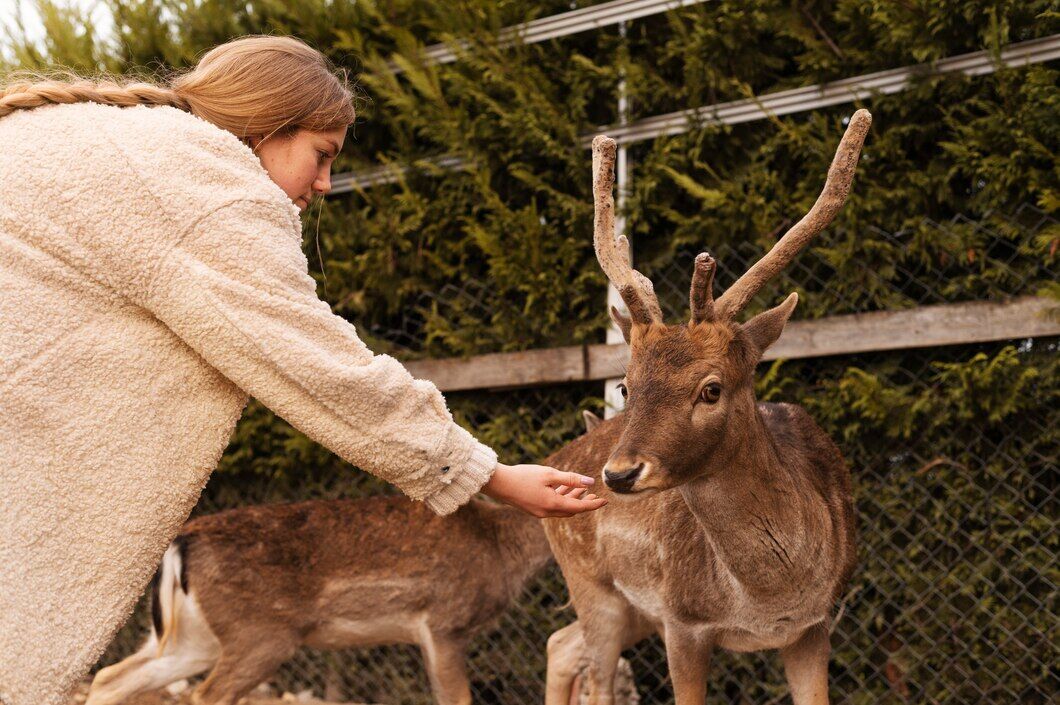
<point x="236" y="289"/>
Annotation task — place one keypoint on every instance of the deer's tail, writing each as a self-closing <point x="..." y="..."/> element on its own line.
<point x="169" y="589"/>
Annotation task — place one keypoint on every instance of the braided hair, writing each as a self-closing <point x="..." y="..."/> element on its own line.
<point x="251" y="86"/>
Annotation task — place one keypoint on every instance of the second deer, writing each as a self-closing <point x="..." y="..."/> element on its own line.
<point x="238" y="592"/>
<point x="730" y="523"/>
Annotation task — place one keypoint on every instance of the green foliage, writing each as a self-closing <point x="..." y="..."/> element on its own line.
<point x="514" y="222"/>
<point x="953" y="450"/>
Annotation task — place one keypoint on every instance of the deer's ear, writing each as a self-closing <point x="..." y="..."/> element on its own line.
<point x="766" y="327"/>
<point x="591" y="420"/>
<point x="623" y="322"/>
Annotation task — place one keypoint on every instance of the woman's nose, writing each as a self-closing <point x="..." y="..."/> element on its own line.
<point x="323" y="184"/>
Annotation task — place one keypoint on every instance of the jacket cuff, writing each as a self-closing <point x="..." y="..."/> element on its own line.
<point x="464" y="481"/>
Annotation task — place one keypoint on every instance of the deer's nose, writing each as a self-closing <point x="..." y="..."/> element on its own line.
<point x="623" y="479"/>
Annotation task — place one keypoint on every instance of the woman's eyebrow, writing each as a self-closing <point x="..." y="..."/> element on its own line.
<point x="334" y="145"/>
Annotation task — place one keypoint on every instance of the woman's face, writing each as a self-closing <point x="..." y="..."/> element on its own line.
<point x="300" y="163"/>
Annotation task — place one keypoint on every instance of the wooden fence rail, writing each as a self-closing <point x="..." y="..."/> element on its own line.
<point x="922" y="327"/>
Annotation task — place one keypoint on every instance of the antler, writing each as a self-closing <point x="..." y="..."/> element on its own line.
<point x="832" y="197"/>
<point x="701" y="295"/>
<point x="613" y="253"/>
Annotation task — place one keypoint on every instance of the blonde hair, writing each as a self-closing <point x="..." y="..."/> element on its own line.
<point x="254" y="86"/>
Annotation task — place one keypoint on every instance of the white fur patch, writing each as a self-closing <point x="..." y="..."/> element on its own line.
<point x="192" y="650"/>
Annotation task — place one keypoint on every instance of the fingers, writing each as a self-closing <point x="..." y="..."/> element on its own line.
<point x="572" y="479"/>
<point x="572" y="498"/>
<point x="572" y="491"/>
<point x="567" y="506"/>
<point x="576" y="500"/>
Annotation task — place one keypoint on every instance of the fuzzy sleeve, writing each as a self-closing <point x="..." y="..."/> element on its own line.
<point x="236" y="289"/>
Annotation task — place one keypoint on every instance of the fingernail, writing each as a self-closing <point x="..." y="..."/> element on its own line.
<point x="587" y="480"/>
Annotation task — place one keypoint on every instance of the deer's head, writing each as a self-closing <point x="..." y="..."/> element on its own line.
<point x="689" y="387"/>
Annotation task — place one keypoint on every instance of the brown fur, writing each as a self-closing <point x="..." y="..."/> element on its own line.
<point x="343" y="573"/>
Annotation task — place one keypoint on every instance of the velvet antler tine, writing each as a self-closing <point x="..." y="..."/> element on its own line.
<point x="832" y="197"/>
<point x="613" y="253"/>
<point x="701" y="295"/>
<point x="646" y="291"/>
<point x="638" y="311"/>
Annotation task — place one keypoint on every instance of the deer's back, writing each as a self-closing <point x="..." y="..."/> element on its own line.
<point x="797" y="436"/>
<point x="348" y="564"/>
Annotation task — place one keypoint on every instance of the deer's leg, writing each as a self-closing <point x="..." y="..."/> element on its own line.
<point x="607" y="629"/>
<point x="566" y="659"/>
<point x="445" y="658"/>
<point x="688" y="658"/>
<point x="806" y="666"/>
<point x="243" y="665"/>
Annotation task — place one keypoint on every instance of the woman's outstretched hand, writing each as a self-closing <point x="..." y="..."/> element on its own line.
<point x="542" y="491"/>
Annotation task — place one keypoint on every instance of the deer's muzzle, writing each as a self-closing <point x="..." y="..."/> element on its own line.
<point x="622" y="479"/>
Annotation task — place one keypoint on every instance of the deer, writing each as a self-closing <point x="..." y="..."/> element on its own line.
<point x="239" y="591"/>
<point x="730" y="522"/>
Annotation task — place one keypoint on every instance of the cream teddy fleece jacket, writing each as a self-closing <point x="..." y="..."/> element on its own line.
<point x="151" y="278"/>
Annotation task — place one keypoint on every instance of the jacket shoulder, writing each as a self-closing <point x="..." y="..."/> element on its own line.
<point x="185" y="159"/>
<point x="183" y="163"/>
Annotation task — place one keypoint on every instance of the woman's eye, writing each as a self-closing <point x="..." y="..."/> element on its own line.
<point x="711" y="393"/>
<point x="623" y="391"/>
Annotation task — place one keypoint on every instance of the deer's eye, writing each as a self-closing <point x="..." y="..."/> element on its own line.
<point x="710" y="393"/>
<point x="623" y="391"/>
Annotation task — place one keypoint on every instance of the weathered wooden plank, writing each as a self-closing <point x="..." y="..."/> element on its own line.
<point x="517" y="369"/>
<point x="922" y="327"/>
<point x="925" y="326"/>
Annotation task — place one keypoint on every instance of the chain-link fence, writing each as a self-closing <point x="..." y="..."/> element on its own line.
<point x="953" y="454"/>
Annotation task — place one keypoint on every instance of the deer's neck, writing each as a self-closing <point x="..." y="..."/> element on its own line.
<point x="760" y="514"/>
<point x="523" y="545"/>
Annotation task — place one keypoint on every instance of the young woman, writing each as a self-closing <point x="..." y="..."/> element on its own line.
<point x="151" y="278"/>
